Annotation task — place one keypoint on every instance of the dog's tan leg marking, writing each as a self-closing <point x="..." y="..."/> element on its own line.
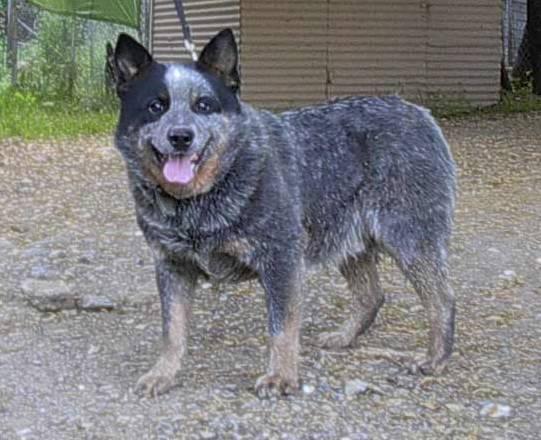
<point x="363" y="282"/>
<point x="429" y="279"/>
<point x="162" y="376"/>
<point x="283" y="372"/>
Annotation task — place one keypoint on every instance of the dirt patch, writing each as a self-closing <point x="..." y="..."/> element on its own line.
<point x="67" y="218"/>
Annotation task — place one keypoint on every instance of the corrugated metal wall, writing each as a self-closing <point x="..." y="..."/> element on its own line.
<point x="284" y="51"/>
<point x="377" y="46"/>
<point x="304" y="51"/>
<point x="464" y="49"/>
<point x="206" y="18"/>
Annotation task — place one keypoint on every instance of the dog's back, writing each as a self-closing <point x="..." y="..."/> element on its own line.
<point x="370" y="169"/>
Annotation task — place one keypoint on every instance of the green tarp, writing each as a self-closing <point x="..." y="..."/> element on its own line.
<point x="125" y="12"/>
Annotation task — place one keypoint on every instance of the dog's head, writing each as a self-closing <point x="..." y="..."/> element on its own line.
<point x="176" y="120"/>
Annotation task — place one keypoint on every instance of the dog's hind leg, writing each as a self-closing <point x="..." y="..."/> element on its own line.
<point x="428" y="275"/>
<point x="363" y="281"/>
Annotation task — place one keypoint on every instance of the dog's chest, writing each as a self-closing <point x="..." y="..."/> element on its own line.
<point x="218" y="259"/>
<point x="221" y="267"/>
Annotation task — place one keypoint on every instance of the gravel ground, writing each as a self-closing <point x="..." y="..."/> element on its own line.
<point x="68" y="241"/>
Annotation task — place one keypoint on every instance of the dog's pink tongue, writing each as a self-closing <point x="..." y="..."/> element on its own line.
<point x="179" y="170"/>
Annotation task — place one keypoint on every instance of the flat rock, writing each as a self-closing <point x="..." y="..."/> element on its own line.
<point x="6" y="247"/>
<point x="48" y="295"/>
<point x="354" y="387"/>
<point x="495" y="410"/>
<point x="36" y="250"/>
<point x="43" y="272"/>
<point x="95" y="303"/>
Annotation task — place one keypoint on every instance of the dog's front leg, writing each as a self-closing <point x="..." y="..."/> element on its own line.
<point x="176" y="286"/>
<point x="283" y="287"/>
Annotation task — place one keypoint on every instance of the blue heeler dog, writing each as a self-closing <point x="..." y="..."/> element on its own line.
<point x="227" y="192"/>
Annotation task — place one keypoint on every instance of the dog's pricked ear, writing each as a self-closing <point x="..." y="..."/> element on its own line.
<point x="111" y="73"/>
<point x="220" y="56"/>
<point x="128" y="60"/>
<point x="110" y="51"/>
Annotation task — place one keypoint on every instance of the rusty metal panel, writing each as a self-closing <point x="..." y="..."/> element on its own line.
<point x="206" y="18"/>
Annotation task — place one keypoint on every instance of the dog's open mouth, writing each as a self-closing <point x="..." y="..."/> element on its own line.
<point x="178" y="169"/>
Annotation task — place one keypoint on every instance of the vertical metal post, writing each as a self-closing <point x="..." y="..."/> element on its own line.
<point x="12" y="40"/>
<point x="534" y="37"/>
<point x="510" y="28"/>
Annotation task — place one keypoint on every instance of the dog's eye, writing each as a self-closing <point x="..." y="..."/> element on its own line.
<point x="156" y="106"/>
<point x="206" y="106"/>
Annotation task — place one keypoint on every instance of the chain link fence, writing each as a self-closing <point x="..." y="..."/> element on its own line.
<point x="61" y="57"/>
<point x="519" y="47"/>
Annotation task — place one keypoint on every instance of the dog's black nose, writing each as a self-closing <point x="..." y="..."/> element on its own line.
<point x="180" y="138"/>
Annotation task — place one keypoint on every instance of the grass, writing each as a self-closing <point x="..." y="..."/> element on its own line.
<point x="23" y="115"/>
<point x="520" y="100"/>
<point x="29" y="117"/>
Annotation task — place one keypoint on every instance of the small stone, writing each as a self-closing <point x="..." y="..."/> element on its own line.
<point x="453" y="407"/>
<point x="207" y="435"/>
<point x="40" y="249"/>
<point x="84" y="424"/>
<point x="538" y="260"/>
<point x="23" y="433"/>
<point x="495" y="410"/>
<point x="93" y="350"/>
<point x="6" y="246"/>
<point x="206" y="285"/>
<point x="508" y="275"/>
<point x="48" y="295"/>
<point x="308" y="389"/>
<point x="231" y="386"/>
<point x="57" y="254"/>
<point x="20" y="229"/>
<point x="43" y="272"/>
<point x="354" y="387"/>
<point x="95" y="303"/>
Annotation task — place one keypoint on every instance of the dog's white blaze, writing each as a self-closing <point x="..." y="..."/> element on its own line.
<point x="175" y="75"/>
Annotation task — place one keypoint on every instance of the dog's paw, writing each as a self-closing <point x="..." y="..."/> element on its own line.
<point x="431" y="367"/>
<point x="336" y="339"/>
<point x="154" y="383"/>
<point x="274" y="385"/>
<point x="159" y="379"/>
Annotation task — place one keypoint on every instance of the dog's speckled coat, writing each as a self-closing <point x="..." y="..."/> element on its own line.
<point x="272" y="194"/>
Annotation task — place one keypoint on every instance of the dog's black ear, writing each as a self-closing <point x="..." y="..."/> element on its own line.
<point x="220" y="56"/>
<point x="110" y="51"/>
<point x="128" y="60"/>
<point x="111" y="72"/>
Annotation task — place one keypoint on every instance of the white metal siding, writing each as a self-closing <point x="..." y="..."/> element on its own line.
<point x="206" y="18"/>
